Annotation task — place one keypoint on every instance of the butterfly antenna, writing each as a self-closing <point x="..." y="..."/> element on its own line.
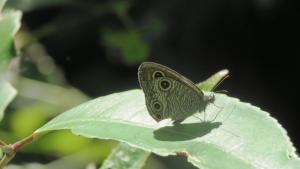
<point x="225" y="77"/>
<point x="221" y="91"/>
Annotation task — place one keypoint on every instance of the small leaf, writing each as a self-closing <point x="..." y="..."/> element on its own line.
<point x="126" y="157"/>
<point x="241" y="137"/>
<point x="212" y="81"/>
<point x="7" y="93"/>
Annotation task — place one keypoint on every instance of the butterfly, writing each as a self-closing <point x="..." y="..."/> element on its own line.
<point x="169" y="94"/>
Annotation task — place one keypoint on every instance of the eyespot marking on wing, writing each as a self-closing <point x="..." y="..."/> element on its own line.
<point x="157" y="74"/>
<point x="165" y="84"/>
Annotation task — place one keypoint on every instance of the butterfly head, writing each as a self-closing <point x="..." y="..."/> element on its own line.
<point x="209" y="99"/>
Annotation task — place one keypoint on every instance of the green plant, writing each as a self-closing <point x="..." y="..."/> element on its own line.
<point x="241" y="137"/>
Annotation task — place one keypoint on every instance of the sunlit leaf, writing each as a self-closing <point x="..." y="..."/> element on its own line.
<point x="210" y="83"/>
<point x="242" y="136"/>
<point x="137" y="157"/>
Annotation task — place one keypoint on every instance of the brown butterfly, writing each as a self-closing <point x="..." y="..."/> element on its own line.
<point x="169" y="94"/>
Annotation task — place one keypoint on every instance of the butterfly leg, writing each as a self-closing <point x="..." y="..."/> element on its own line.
<point x="177" y="122"/>
<point x="201" y="120"/>
<point x="220" y="109"/>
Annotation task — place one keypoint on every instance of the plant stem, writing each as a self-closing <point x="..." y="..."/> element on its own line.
<point x="19" y="144"/>
<point x="11" y="149"/>
<point x="4" y="161"/>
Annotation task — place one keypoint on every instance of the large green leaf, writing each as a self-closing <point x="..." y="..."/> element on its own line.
<point x="136" y="157"/>
<point x="241" y="137"/>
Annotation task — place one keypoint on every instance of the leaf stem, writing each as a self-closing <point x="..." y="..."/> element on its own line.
<point x="19" y="144"/>
<point x="11" y="149"/>
<point x="4" y="161"/>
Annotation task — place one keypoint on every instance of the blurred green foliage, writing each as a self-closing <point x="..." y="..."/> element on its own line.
<point x="36" y="114"/>
<point x="30" y="5"/>
<point x="9" y="24"/>
<point x="127" y="43"/>
<point x="43" y="91"/>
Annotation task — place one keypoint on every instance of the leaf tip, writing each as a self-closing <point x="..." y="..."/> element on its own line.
<point x="223" y="72"/>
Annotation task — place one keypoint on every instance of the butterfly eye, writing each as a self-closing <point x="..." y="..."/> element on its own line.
<point x="157" y="106"/>
<point x="158" y="74"/>
<point x="165" y="84"/>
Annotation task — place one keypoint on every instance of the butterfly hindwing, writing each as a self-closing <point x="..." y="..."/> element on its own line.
<point x="169" y="94"/>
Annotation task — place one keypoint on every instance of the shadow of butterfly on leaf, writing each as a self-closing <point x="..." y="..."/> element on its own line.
<point x="185" y="131"/>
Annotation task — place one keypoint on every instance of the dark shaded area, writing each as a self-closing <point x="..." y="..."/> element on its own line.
<point x="185" y="131"/>
<point x="258" y="41"/>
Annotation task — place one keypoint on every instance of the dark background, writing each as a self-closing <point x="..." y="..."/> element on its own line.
<point x="258" y="41"/>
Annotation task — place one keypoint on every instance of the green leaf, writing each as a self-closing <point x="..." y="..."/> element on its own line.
<point x="9" y="25"/>
<point x="212" y="81"/>
<point x="242" y="136"/>
<point x="7" y="93"/>
<point x="126" y="157"/>
<point x="139" y="156"/>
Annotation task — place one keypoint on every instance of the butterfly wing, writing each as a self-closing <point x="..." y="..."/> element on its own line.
<point x="168" y="94"/>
